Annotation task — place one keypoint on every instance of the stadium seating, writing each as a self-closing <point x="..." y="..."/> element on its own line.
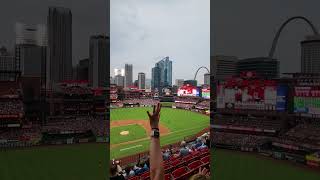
<point x="194" y="165"/>
<point x="178" y="173"/>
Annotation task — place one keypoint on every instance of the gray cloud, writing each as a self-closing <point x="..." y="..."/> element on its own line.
<point x="246" y="28"/>
<point x="144" y="31"/>
<point x="89" y="18"/>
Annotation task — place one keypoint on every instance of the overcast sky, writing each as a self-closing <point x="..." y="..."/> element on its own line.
<point x="89" y="18"/>
<point x="246" y="28"/>
<point x="144" y="31"/>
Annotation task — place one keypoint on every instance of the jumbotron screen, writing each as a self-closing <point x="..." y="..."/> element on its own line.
<point x="205" y="93"/>
<point x="188" y="90"/>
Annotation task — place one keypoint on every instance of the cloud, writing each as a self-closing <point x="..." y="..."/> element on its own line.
<point x="144" y="30"/>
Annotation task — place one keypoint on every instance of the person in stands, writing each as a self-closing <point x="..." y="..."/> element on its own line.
<point x="156" y="161"/>
<point x="114" y="174"/>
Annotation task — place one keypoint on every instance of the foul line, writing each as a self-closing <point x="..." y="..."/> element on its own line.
<point x="132" y="147"/>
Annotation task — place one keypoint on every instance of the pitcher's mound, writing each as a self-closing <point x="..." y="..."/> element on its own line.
<point x="124" y="133"/>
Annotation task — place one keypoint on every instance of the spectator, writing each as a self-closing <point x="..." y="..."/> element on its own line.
<point x="115" y="174"/>
<point x="183" y="150"/>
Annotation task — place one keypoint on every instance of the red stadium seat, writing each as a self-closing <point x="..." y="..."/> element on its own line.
<point x="177" y="163"/>
<point x="167" y="167"/>
<point x="205" y="160"/>
<point x="167" y="177"/>
<point x="145" y="175"/>
<point x="188" y="158"/>
<point x="179" y="172"/>
<point x="194" y="165"/>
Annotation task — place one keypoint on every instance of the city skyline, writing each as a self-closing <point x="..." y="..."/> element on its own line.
<point x="136" y="38"/>
<point x="252" y="36"/>
<point x="88" y="19"/>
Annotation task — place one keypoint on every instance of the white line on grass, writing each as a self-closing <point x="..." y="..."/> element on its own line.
<point x="132" y="147"/>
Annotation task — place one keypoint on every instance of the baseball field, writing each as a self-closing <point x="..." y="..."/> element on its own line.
<point x="129" y="133"/>
<point x="238" y="165"/>
<point x="72" y="162"/>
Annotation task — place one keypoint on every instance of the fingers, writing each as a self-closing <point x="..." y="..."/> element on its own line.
<point x="154" y="109"/>
<point x="149" y="114"/>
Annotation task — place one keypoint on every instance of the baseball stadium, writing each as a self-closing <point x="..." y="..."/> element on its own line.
<point x="60" y="135"/>
<point x="183" y="120"/>
<point x="268" y="128"/>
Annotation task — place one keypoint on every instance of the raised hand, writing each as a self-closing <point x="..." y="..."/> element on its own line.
<point x="155" y="116"/>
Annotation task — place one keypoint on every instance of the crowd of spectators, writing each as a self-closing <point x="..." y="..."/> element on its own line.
<point x="238" y="140"/>
<point x="305" y="134"/>
<point x="11" y="107"/>
<point x="142" y="102"/>
<point x="76" y="90"/>
<point x="170" y="154"/>
<point x="205" y="104"/>
<point x="248" y="122"/>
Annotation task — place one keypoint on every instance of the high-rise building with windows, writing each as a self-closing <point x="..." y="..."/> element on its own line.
<point x="179" y="82"/>
<point x="128" y="75"/>
<point x="31" y="50"/>
<point x="7" y="66"/>
<point x="59" y="62"/>
<point x="98" y="64"/>
<point x="162" y="74"/>
<point x="310" y="55"/>
<point x="206" y="77"/>
<point x="142" y="80"/>
<point x="223" y="67"/>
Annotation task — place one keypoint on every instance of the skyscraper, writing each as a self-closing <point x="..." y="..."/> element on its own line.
<point x="128" y="74"/>
<point x="179" y="82"/>
<point x="119" y="80"/>
<point x="206" y="79"/>
<point x="59" y="62"/>
<point x="7" y="66"/>
<point x="31" y="49"/>
<point x="162" y="74"/>
<point x="142" y="80"/>
<point x="98" y="64"/>
<point x="223" y="67"/>
<point x="310" y="55"/>
<point x="155" y="79"/>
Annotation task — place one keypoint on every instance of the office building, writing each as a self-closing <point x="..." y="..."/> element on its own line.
<point x="142" y="80"/>
<point x="179" y="82"/>
<point x="206" y="78"/>
<point x="128" y="75"/>
<point x="223" y="67"/>
<point x="310" y="54"/>
<point x="7" y="66"/>
<point x="59" y="62"/>
<point x="98" y="60"/>
<point x="119" y="80"/>
<point x="162" y="74"/>
<point x="262" y="66"/>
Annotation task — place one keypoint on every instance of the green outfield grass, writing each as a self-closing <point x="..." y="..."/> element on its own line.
<point x="181" y="123"/>
<point x="135" y="132"/>
<point x="166" y="104"/>
<point x="71" y="162"/>
<point x="228" y="165"/>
